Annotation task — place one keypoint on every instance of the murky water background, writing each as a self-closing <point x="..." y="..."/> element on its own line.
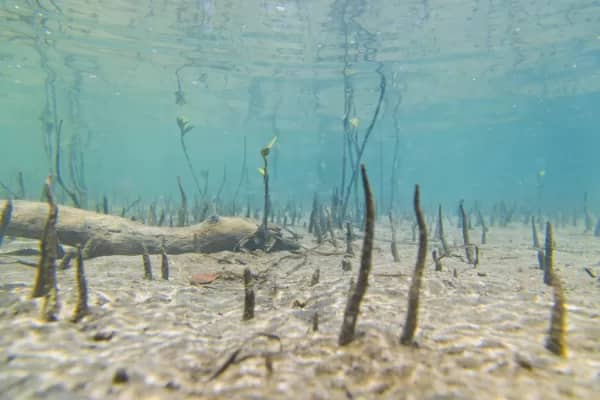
<point x="484" y="94"/>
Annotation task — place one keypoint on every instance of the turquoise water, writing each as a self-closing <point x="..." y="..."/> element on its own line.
<point x="488" y="100"/>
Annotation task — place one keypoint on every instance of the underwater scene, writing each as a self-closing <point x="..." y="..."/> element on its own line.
<point x="307" y="199"/>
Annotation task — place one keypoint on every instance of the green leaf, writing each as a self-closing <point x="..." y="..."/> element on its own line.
<point x="271" y="143"/>
<point x="267" y="149"/>
<point x="261" y="171"/>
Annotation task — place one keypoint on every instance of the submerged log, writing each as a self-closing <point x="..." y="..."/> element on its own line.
<point x="103" y="235"/>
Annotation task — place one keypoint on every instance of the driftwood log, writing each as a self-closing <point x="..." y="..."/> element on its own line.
<point x="104" y="235"/>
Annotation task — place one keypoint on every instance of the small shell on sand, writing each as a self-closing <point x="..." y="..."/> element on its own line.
<point x="202" y="278"/>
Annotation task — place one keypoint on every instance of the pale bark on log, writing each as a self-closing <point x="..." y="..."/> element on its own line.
<point x="111" y="235"/>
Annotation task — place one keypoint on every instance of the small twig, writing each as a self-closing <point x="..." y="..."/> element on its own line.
<point x="384" y="275"/>
<point x="20" y="261"/>
<point x="7" y="190"/>
<point x="230" y="361"/>
<point x="300" y="265"/>
<point x="233" y="358"/>
<point x="327" y="253"/>
<point x="589" y="272"/>
<point x="295" y="235"/>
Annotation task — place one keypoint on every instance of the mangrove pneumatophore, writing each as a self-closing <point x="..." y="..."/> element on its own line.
<point x="5" y="218"/>
<point x="465" y="233"/>
<point x="46" y="269"/>
<point x="20" y="185"/>
<point x="556" y="339"/>
<point x="105" y="204"/>
<point x="164" y="263"/>
<point x="393" y="245"/>
<point x="484" y="228"/>
<point x="437" y="260"/>
<point x="315" y="322"/>
<point x="534" y="234"/>
<point x="587" y="217"/>
<point x="81" y="308"/>
<point x="330" y="230"/>
<point x="441" y="235"/>
<point x="45" y="280"/>
<point x="147" y="265"/>
<point x="549" y="255"/>
<point x="315" y="277"/>
<point x="349" y="239"/>
<point x="248" y="295"/>
<point x="312" y="219"/>
<point x="358" y="291"/>
<point x="410" y="326"/>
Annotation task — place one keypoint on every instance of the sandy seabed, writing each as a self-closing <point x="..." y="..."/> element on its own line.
<point x="481" y="333"/>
